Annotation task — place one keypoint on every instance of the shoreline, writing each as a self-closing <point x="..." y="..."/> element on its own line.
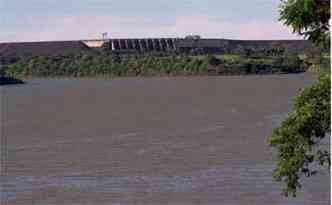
<point x="105" y="77"/>
<point x="10" y="81"/>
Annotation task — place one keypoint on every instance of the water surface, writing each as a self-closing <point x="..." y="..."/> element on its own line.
<point x="179" y="140"/>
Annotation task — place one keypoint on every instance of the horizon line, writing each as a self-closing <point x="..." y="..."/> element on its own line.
<point x="107" y="39"/>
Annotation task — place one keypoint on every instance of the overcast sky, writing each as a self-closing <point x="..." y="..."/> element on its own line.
<point x="36" y="20"/>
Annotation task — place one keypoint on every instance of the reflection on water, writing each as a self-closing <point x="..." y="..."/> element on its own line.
<point x="197" y="140"/>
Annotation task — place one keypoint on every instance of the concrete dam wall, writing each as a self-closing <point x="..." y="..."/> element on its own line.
<point x="178" y="45"/>
<point x="42" y="48"/>
<point x="155" y="44"/>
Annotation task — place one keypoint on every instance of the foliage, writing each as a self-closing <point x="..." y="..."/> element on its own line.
<point x="212" y="60"/>
<point x="320" y="63"/>
<point x="309" y="18"/>
<point x="298" y="138"/>
<point x="5" y="79"/>
<point x="110" y="64"/>
<point x="300" y="132"/>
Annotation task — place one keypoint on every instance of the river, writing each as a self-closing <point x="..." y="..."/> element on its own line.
<point x="160" y="140"/>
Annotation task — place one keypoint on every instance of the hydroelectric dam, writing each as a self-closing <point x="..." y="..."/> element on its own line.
<point x="143" y="45"/>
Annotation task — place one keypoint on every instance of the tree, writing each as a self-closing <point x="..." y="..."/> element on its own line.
<point x="300" y="133"/>
<point x="298" y="138"/>
<point x="309" y="18"/>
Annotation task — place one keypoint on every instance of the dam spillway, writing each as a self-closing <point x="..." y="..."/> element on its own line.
<point x="154" y="44"/>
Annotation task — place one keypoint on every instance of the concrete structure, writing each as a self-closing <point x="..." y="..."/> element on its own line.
<point x="45" y="48"/>
<point x="178" y="45"/>
<point x="95" y="43"/>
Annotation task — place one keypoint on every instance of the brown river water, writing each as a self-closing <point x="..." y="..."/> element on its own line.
<point x="160" y="140"/>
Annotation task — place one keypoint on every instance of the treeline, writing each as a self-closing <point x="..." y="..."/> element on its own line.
<point x="85" y="65"/>
<point x="104" y="65"/>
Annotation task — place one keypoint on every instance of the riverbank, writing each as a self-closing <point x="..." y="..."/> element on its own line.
<point x="10" y="81"/>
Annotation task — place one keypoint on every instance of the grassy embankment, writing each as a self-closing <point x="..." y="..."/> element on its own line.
<point x="90" y="65"/>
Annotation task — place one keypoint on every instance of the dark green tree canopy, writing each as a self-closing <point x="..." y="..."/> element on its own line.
<point x="300" y="133"/>
<point x="309" y="18"/>
<point x="298" y="138"/>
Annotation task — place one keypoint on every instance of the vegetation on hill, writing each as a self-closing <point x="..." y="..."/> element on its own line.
<point x="108" y="64"/>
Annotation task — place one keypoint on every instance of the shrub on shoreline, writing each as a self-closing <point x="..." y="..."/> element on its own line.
<point x="8" y="80"/>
